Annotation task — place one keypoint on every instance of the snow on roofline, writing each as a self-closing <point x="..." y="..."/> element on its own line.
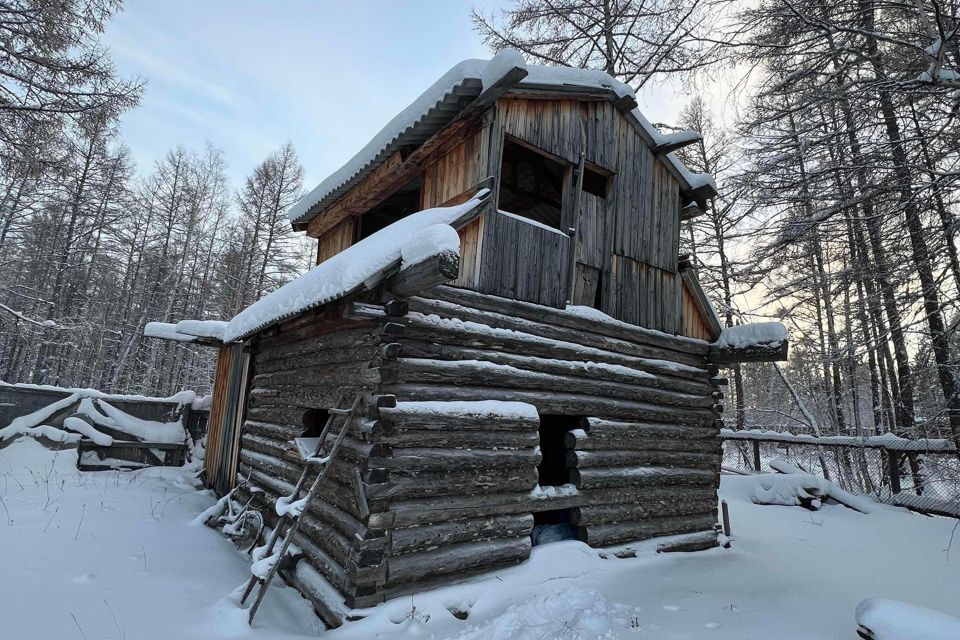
<point x="411" y="240"/>
<point x="166" y="331"/>
<point x="469" y="78"/>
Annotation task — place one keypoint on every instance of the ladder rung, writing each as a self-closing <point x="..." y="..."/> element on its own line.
<point x="340" y="412"/>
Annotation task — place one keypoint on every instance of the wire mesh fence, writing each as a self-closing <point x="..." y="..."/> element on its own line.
<point x="921" y="475"/>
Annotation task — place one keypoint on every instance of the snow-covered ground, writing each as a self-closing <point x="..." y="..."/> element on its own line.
<point x="113" y="555"/>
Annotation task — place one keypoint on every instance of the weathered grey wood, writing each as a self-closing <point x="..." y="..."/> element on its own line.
<point x="456" y="558"/>
<point x="640" y="477"/>
<point x="335" y="490"/>
<point x="754" y="353"/>
<point x="650" y="349"/>
<point x="415" y="539"/>
<point x="608" y="534"/>
<point x="323" y="511"/>
<point x="599" y="426"/>
<point x="456" y="459"/>
<point x="467" y="372"/>
<point x="450" y="435"/>
<point x="438" y="269"/>
<point x="559" y="403"/>
<point x="589" y="514"/>
<point x="419" y="327"/>
<point x="698" y="541"/>
<point x="639" y="374"/>
<point x="406" y="484"/>
<point x="406" y="415"/>
<point x="590" y="459"/>
<point x="353" y="373"/>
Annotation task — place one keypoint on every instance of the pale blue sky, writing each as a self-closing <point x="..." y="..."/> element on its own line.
<point x="249" y="75"/>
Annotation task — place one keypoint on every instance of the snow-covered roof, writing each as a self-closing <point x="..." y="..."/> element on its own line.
<point x="440" y="103"/>
<point x="407" y="241"/>
<point x="166" y="331"/>
<point x="203" y="331"/>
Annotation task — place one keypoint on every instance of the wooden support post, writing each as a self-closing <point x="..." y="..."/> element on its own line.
<point x="756" y="455"/>
<point x="893" y="466"/>
<point x="726" y="518"/>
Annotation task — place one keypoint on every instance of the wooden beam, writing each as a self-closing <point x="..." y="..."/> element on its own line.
<point x="437" y="269"/>
<point x="492" y="93"/>
<point x="757" y="353"/>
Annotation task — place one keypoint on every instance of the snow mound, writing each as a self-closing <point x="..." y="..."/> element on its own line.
<point x="25" y="457"/>
<point x="758" y="334"/>
<point x="145" y="430"/>
<point x="166" y="331"/>
<point x="349" y="269"/>
<point x="81" y="426"/>
<point x="499" y="65"/>
<point x="428" y="242"/>
<point x="576" y="614"/>
<point x="472" y="409"/>
<point x="884" y="619"/>
<point x="802" y="489"/>
<point x="31" y="424"/>
<point x="202" y="328"/>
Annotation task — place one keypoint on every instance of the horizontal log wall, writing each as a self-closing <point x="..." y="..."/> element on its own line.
<point x="310" y="362"/>
<point x="423" y="495"/>
<point x="644" y="460"/>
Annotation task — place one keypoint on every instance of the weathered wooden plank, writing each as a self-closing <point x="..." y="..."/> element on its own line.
<point x="483" y="373"/>
<point x="640" y="477"/>
<point x="415" y="539"/>
<point x="454" y="559"/>
<point x="556" y="403"/>
<point x="609" y="534"/>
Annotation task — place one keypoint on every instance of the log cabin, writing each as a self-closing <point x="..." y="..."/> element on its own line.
<point x="498" y="278"/>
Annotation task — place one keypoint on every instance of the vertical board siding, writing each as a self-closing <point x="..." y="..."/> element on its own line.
<point x="644" y="295"/>
<point x="226" y="414"/>
<point x="336" y="240"/>
<point x="524" y="261"/>
<point x="694" y="325"/>
<point x="455" y="172"/>
<point x="591" y="232"/>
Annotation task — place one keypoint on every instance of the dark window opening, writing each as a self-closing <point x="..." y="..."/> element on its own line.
<point x="598" y="293"/>
<point x="553" y="470"/>
<point x="313" y="422"/>
<point x="394" y="207"/>
<point x="595" y="183"/>
<point x="531" y="184"/>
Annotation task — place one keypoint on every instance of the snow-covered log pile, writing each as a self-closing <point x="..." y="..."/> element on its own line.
<point x="93" y="421"/>
<point x="803" y="490"/>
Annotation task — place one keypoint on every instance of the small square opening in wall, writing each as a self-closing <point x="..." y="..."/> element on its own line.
<point x="595" y="182"/>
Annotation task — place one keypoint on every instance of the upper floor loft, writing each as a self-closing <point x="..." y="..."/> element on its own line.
<point x="586" y="195"/>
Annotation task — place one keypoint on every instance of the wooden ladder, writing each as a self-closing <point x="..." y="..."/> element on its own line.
<point x="291" y="518"/>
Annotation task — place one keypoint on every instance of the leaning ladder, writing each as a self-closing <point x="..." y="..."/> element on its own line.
<point x="292" y="517"/>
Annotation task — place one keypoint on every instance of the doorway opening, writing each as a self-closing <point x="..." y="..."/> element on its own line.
<point x="554" y="471"/>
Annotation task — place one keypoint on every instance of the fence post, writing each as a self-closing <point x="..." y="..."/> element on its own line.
<point x="756" y="455"/>
<point x="893" y="467"/>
